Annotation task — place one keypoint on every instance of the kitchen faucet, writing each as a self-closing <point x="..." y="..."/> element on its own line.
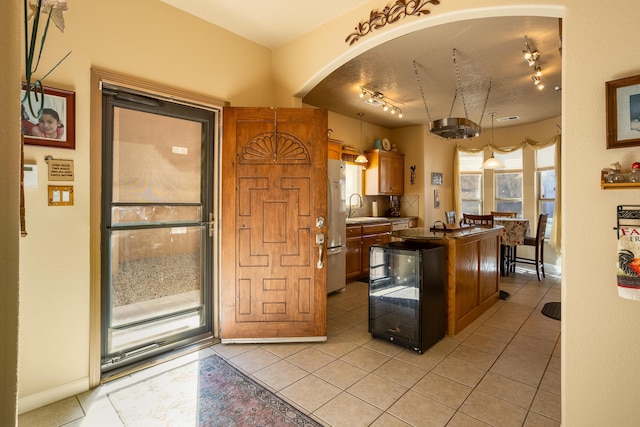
<point x="351" y="204"/>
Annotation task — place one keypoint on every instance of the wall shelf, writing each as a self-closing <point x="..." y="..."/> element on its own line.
<point x="616" y="185"/>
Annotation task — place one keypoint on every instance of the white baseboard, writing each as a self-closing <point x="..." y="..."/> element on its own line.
<point x="43" y="398"/>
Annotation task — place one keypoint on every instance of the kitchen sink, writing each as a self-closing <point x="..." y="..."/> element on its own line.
<point x="360" y="219"/>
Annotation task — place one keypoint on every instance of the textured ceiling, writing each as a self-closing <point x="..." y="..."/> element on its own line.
<point x="487" y="50"/>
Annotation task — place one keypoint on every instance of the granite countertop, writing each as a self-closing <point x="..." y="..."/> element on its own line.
<point x="423" y="233"/>
<point x="374" y="219"/>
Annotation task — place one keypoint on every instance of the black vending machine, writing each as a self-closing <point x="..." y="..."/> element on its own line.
<point x="407" y="285"/>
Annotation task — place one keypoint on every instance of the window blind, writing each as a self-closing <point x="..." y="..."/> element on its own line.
<point x="470" y="162"/>
<point x="512" y="160"/>
<point x="545" y="157"/>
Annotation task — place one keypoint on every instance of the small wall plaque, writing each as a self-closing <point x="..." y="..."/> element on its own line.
<point x="436" y="178"/>
<point x="60" y="170"/>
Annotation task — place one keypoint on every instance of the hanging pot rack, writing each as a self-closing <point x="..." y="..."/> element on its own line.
<point x="453" y="127"/>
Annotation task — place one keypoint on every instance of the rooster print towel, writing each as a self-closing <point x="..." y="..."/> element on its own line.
<point x="629" y="262"/>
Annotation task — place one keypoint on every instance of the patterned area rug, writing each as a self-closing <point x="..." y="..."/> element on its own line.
<point x="208" y="392"/>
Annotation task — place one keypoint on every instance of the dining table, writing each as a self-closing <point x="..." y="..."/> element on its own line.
<point x="513" y="234"/>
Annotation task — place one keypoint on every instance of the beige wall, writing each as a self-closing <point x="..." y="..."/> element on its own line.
<point x="410" y="141"/>
<point x="600" y="371"/>
<point x="152" y="41"/>
<point x="9" y="217"/>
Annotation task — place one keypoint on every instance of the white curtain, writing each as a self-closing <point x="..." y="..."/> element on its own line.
<point x="529" y="143"/>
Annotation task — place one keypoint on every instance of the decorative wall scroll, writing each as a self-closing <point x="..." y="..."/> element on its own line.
<point x="389" y="15"/>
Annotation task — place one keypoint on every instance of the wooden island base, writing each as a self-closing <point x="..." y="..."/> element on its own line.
<point x="473" y="260"/>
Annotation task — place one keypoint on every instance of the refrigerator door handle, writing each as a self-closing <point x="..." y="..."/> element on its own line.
<point x="333" y="251"/>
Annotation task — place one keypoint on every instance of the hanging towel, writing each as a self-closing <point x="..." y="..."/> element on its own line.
<point x="628" y="270"/>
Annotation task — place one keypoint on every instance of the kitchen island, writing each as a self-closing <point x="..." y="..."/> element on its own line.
<point x="364" y="232"/>
<point x="473" y="277"/>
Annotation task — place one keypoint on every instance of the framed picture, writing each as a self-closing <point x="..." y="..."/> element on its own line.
<point x="436" y="199"/>
<point x="436" y="178"/>
<point x="56" y="126"/>
<point x="623" y="112"/>
<point x="450" y="217"/>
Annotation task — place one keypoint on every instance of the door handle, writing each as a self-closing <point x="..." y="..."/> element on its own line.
<point x="320" y="262"/>
<point x="320" y="243"/>
<point x="209" y="224"/>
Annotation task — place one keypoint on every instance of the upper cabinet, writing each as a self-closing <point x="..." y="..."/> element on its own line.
<point x="335" y="149"/>
<point x="385" y="173"/>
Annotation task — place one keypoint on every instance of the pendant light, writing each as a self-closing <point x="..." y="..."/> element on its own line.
<point x="492" y="162"/>
<point x="361" y="158"/>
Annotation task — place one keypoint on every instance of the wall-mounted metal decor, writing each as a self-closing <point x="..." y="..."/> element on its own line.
<point x="389" y="15"/>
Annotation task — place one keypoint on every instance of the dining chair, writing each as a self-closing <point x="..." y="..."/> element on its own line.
<point x="538" y="242"/>
<point x="504" y="214"/>
<point x="508" y="252"/>
<point x="473" y="219"/>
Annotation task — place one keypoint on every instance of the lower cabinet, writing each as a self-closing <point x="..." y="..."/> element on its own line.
<point x="354" y="256"/>
<point x="359" y="239"/>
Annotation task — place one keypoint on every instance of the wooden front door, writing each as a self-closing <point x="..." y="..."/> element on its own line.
<point x="274" y="210"/>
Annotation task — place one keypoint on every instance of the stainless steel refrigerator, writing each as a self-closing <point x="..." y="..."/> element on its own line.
<point x="337" y="226"/>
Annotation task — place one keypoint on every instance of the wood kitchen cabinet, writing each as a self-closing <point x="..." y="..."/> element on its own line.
<point x="354" y="252"/>
<point x="385" y="173"/>
<point x="359" y="239"/>
<point x="335" y="149"/>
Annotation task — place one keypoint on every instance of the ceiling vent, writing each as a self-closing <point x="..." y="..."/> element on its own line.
<point x="508" y="118"/>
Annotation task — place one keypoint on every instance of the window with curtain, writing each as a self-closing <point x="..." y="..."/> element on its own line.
<point x="353" y="182"/>
<point x="508" y="183"/>
<point x="546" y="184"/>
<point x="471" y="182"/>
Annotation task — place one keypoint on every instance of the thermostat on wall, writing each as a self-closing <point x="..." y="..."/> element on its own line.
<point x="30" y="175"/>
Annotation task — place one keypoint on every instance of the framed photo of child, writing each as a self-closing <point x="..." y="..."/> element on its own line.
<point x="56" y="126"/>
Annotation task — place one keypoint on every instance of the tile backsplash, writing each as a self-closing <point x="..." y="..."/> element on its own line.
<point x="410" y="205"/>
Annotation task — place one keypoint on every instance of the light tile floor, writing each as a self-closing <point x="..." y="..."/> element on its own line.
<point x="503" y="370"/>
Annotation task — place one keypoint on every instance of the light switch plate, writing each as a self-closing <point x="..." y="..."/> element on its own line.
<point x="61" y="195"/>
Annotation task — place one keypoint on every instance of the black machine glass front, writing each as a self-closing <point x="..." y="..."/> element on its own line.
<point x="406" y="294"/>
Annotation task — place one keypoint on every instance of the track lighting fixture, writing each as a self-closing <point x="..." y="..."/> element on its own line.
<point x="532" y="56"/>
<point x="537" y="82"/>
<point x="378" y="99"/>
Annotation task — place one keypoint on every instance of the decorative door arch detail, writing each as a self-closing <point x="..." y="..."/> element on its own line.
<point x="274" y="148"/>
